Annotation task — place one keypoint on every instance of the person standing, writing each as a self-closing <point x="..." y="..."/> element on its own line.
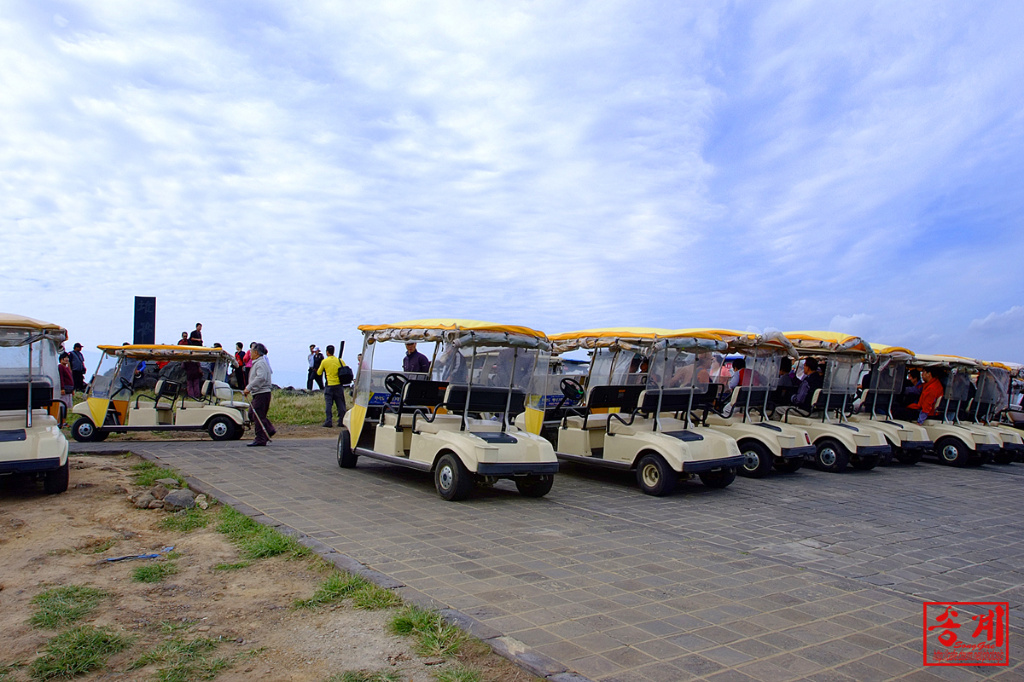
<point x="414" y="361"/>
<point x="67" y="386"/>
<point x="333" y="394"/>
<point x="196" y="337"/>
<point x="259" y="387"/>
<point x="77" y="361"/>
<point x="183" y="341"/>
<point x="315" y="358"/>
<point x="239" y="374"/>
<point x="247" y="361"/>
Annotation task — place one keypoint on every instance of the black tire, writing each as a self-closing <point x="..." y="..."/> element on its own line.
<point x="718" y="479"/>
<point x="655" y="476"/>
<point x="757" y="459"/>
<point x="1003" y="457"/>
<point x="862" y="463"/>
<point x="908" y="457"/>
<point x="101" y="435"/>
<point x="535" y="486"/>
<point x="788" y="465"/>
<point x="55" y="482"/>
<point x="952" y="451"/>
<point x="451" y="478"/>
<point x="222" y="428"/>
<point x="84" y="431"/>
<point x="832" y="455"/>
<point x="346" y="456"/>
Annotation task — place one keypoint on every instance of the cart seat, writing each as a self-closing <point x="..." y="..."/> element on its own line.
<point x="440" y="422"/>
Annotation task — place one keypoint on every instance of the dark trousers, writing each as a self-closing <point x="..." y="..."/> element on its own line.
<point x="79" y="375"/>
<point x="258" y="408"/>
<point x="313" y="376"/>
<point x="335" y="395"/>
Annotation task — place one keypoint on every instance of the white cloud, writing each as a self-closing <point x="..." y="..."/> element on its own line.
<point x="1007" y="323"/>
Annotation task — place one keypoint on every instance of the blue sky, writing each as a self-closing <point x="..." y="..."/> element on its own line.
<point x="286" y="171"/>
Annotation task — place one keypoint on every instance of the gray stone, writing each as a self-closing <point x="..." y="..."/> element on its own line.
<point x="142" y="501"/>
<point x="202" y="502"/>
<point x="155" y="504"/>
<point x="159" y="491"/>
<point x="180" y="499"/>
<point x="167" y="482"/>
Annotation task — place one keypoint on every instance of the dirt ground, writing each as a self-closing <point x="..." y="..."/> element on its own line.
<point x="46" y="541"/>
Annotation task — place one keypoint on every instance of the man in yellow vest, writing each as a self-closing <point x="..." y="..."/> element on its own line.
<point x="333" y="394"/>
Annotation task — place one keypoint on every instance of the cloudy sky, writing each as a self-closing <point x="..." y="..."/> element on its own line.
<point x="285" y="170"/>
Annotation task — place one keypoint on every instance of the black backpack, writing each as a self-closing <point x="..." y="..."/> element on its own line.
<point x="345" y="375"/>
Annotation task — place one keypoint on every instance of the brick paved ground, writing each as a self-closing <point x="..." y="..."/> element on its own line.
<point x="810" y="576"/>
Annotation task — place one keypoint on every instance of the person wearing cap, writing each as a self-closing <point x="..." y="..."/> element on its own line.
<point x="414" y="361"/>
<point x="315" y="358"/>
<point x="77" y="361"/>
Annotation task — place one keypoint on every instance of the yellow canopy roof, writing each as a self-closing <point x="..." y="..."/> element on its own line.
<point x="882" y="349"/>
<point x="828" y="342"/>
<point x="635" y="333"/>
<point x="170" y="353"/>
<point x="448" y="324"/>
<point x="22" y="322"/>
<point x="945" y="360"/>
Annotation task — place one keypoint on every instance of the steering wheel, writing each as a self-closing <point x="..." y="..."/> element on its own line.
<point x="571" y="389"/>
<point x="395" y="382"/>
<point x="125" y="386"/>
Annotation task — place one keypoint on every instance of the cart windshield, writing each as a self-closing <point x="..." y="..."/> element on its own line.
<point x="617" y="367"/>
<point x="113" y="377"/>
<point x="842" y="375"/>
<point x="993" y="390"/>
<point x="678" y="368"/>
<point x="958" y="385"/>
<point x="14" y="360"/>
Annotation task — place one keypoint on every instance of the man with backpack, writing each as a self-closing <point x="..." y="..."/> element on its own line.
<point x="332" y="368"/>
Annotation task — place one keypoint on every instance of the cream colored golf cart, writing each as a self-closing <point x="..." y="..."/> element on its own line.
<point x="743" y="413"/>
<point x="837" y="441"/>
<point x="113" y="406"/>
<point x="30" y="440"/>
<point x="638" y="409"/>
<point x="957" y="443"/>
<point x="882" y="386"/>
<point x="455" y="419"/>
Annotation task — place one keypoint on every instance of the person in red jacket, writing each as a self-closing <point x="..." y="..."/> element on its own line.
<point x="931" y="393"/>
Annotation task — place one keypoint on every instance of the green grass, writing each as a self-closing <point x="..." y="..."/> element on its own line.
<point x="458" y="674"/>
<point x="338" y="587"/>
<point x="232" y="567"/>
<point x="103" y="546"/>
<point x="297" y="409"/>
<point x="147" y="473"/>
<point x="257" y="541"/>
<point x="154" y="573"/>
<point x="366" y="676"/>
<point x="434" y="636"/>
<point x="184" y="660"/>
<point x="61" y="606"/>
<point x="186" y="520"/>
<point x="76" y="652"/>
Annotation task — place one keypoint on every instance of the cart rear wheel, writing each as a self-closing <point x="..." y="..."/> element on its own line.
<point x="535" y="486"/>
<point x="718" y="479"/>
<point x="789" y="464"/>
<point x="222" y="428"/>
<point x="908" y="456"/>
<point x="865" y="463"/>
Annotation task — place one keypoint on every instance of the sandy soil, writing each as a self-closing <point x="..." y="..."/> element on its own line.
<point x="47" y="541"/>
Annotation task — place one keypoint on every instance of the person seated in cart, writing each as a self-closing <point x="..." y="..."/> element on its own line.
<point x="811" y="382"/>
<point x="927" y="406"/>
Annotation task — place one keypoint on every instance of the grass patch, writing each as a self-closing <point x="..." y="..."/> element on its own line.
<point x="257" y="541"/>
<point x="61" y="606"/>
<point x="338" y="587"/>
<point x="232" y="567"/>
<point x="371" y="598"/>
<point x="434" y="636"/>
<point x="103" y="546"/>
<point x="76" y="652"/>
<point x="186" y="520"/>
<point x="366" y="676"/>
<point x="458" y="674"/>
<point x="146" y="474"/>
<point x="154" y="573"/>
<point x="171" y="626"/>
<point x="296" y="408"/>
<point x="184" y="660"/>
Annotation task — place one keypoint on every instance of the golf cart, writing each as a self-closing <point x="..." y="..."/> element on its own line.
<point x="636" y="376"/>
<point x="744" y="415"/>
<point x="988" y="400"/>
<point x="957" y="443"/>
<point x="909" y="441"/>
<point x="837" y="442"/>
<point x="457" y="418"/>
<point x="113" y="406"/>
<point x="1013" y="415"/>
<point x="30" y="439"/>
